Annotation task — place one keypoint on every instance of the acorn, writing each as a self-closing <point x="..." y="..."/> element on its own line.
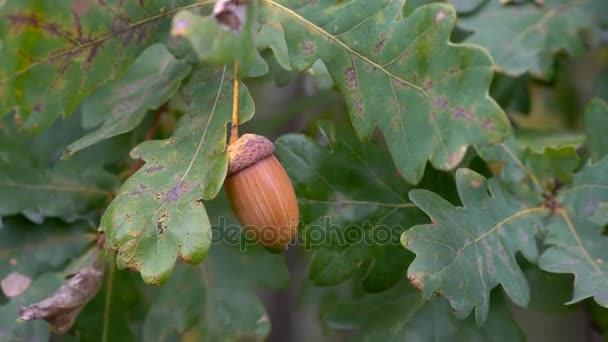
<point x="260" y="192"/>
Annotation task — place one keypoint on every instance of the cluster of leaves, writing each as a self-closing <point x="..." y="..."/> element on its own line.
<point x="424" y="218"/>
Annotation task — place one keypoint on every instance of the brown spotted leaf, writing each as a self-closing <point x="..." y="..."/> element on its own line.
<point x="62" y="308"/>
<point x="159" y="213"/>
<point x="429" y="97"/>
<point x="225" y="305"/>
<point x="469" y="250"/>
<point x="54" y="53"/>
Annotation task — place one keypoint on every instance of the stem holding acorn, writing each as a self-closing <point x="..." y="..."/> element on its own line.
<point x="259" y="190"/>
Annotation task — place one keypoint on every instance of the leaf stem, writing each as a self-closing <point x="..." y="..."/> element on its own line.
<point x="234" y="129"/>
<point x="108" y="301"/>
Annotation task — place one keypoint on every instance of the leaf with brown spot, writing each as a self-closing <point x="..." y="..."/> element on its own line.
<point x="224" y="285"/>
<point x="151" y="226"/>
<point x="469" y="250"/>
<point x="400" y="74"/>
<point x="55" y="54"/>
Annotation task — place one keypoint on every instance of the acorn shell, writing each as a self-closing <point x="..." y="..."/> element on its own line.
<point x="260" y="192"/>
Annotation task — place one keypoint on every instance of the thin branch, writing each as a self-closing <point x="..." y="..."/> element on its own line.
<point x="108" y="301"/>
<point x="234" y="129"/>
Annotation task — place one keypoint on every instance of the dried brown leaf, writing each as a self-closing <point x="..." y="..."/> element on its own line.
<point x="62" y="308"/>
<point x="230" y="13"/>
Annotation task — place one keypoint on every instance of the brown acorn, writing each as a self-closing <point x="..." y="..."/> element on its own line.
<point x="260" y="192"/>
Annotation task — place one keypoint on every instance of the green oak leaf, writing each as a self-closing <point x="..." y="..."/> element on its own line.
<point x="469" y="250"/>
<point x="429" y="97"/>
<point x="466" y="6"/>
<point x="400" y="314"/>
<point x="575" y="228"/>
<point x="35" y="183"/>
<point x="596" y="124"/>
<point x="528" y="173"/>
<point x="28" y="249"/>
<point x="507" y="159"/>
<point x="574" y="234"/>
<point x="215" y="41"/>
<point x="554" y="164"/>
<point x="411" y="5"/>
<point x="48" y="147"/>
<point x="524" y="37"/>
<point x="159" y="213"/>
<point x="66" y="190"/>
<point x="55" y="53"/>
<point x="226" y="308"/>
<point x="537" y="141"/>
<point x="320" y="76"/>
<point x="270" y="37"/>
<point x="120" y="105"/>
<point x="353" y="207"/>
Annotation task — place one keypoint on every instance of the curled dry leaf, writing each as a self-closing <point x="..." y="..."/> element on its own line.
<point x="230" y="13"/>
<point x="62" y="308"/>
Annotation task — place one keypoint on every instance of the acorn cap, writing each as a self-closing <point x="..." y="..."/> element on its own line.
<point x="248" y="150"/>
